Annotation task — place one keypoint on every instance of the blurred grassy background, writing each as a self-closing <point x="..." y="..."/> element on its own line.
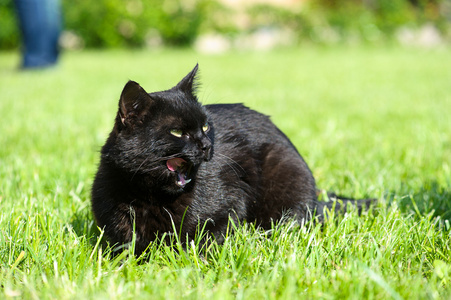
<point x="220" y="24"/>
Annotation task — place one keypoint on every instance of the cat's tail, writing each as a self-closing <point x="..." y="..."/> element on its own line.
<point x="341" y="204"/>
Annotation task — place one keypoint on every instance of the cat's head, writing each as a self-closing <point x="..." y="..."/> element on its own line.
<point x="162" y="136"/>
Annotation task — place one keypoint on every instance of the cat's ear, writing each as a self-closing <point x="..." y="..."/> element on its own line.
<point x="133" y="104"/>
<point x="189" y="83"/>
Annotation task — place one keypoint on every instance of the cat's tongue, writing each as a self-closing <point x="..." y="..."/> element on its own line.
<point x="174" y="163"/>
<point x="179" y="166"/>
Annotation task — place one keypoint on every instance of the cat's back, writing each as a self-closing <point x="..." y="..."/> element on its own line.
<point x="225" y="114"/>
<point x="234" y="121"/>
<point x="256" y="162"/>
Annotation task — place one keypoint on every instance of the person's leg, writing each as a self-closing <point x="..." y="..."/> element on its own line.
<point x="40" y="22"/>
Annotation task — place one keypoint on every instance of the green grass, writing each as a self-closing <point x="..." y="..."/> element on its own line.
<point x="369" y="122"/>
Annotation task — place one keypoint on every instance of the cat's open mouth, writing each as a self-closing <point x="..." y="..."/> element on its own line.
<point x="182" y="168"/>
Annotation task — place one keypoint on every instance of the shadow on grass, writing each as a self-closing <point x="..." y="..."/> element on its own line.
<point x="83" y="224"/>
<point x="431" y="198"/>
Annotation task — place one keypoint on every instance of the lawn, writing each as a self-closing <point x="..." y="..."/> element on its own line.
<point x="370" y="122"/>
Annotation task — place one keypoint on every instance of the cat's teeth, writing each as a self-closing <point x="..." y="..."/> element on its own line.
<point x="183" y="182"/>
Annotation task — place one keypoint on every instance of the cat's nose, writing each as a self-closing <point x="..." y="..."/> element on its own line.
<point x="206" y="149"/>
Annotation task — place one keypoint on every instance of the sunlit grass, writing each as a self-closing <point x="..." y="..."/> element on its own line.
<point x="369" y="122"/>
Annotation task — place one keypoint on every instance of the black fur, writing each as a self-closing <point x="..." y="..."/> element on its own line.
<point x="241" y="167"/>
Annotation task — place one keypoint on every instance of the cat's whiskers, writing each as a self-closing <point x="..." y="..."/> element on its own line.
<point x="153" y="163"/>
<point x="139" y="167"/>
<point x="169" y="157"/>
<point x="231" y="165"/>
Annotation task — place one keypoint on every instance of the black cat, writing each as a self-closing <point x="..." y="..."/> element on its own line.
<point x="172" y="163"/>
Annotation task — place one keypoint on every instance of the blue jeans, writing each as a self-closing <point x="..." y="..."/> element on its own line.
<point x="40" y="23"/>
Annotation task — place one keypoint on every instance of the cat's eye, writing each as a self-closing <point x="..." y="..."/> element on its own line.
<point x="205" y="127"/>
<point x="176" y="132"/>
